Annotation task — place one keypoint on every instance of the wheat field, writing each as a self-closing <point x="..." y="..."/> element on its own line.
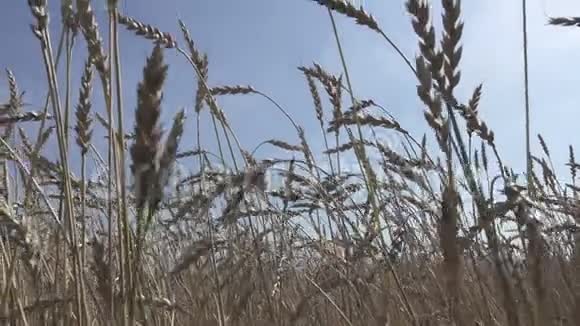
<point x="435" y="230"/>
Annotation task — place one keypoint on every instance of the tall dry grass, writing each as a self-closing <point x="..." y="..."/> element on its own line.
<point x="431" y="235"/>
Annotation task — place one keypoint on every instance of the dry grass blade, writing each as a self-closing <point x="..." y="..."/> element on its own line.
<point x="26" y="171"/>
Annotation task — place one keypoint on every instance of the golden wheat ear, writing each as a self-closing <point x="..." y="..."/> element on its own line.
<point x="167" y="159"/>
<point x="90" y="29"/>
<point x="83" y="127"/>
<point x="144" y="151"/>
<point x="348" y="9"/>
<point x="148" y="31"/>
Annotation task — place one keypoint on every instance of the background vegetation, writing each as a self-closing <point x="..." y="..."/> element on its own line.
<point x="434" y="229"/>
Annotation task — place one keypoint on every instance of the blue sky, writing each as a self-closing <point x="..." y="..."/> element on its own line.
<point x="261" y="42"/>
